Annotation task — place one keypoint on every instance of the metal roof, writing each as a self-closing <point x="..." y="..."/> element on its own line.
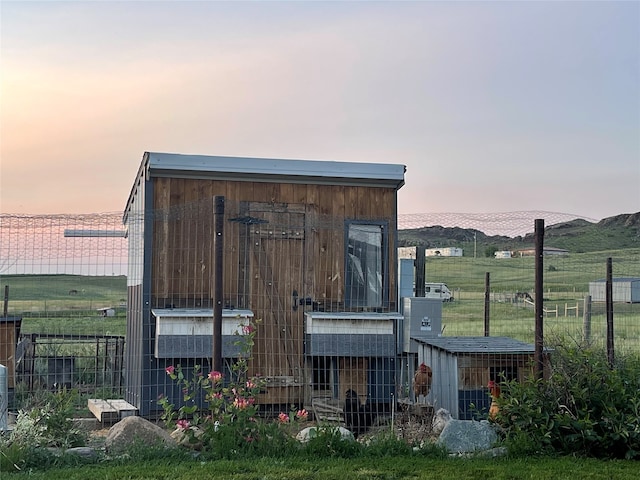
<point x="269" y="170"/>
<point x="199" y="312"/>
<point x="617" y="279"/>
<point x="273" y="170"/>
<point x="477" y="344"/>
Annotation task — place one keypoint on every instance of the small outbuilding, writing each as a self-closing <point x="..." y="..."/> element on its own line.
<point x="624" y="289"/>
<point x="9" y="333"/>
<point x="463" y="366"/>
<point x="308" y="254"/>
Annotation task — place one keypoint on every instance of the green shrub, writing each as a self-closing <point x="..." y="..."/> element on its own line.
<point x="327" y="441"/>
<point x="228" y="426"/>
<point x="584" y="407"/>
<point x="49" y="424"/>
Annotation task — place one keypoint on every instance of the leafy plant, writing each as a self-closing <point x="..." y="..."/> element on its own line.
<point x="50" y="424"/>
<point x="229" y="425"/>
<point x="327" y="441"/>
<point x="584" y="407"/>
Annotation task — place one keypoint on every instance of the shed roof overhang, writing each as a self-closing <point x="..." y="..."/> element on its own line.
<point x="274" y="170"/>
<point x="475" y="345"/>
<point x="269" y="170"/>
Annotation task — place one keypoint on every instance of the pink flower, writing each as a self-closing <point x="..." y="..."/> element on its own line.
<point x="182" y="424"/>
<point x="248" y="329"/>
<point x="170" y="369"/>
<point x="241" y="403"/>
<point x="215" y="376"/>
<point x="302" y="414"/>
<point x="283" y="418"/>
<point x="250" y="384"/>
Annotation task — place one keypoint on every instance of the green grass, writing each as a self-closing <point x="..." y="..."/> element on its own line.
<point x="45" y="305"/>
<point x="390" y="468"/>
<point x="565" y="285"/>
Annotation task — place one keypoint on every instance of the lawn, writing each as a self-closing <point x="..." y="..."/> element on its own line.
<point x="391" y="468"/>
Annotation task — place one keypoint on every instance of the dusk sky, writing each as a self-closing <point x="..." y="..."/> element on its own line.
<point x="492" y="106"/>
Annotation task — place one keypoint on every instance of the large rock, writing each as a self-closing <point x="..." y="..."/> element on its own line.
<point x="440" y="420"/>
<point x="308" y="433"/>
<point x="136" y="430"/>
<point x="191" y="438"/>
<point x="462" y="436"/>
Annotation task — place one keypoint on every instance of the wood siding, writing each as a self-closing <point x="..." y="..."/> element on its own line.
<point x="284" y="253"/>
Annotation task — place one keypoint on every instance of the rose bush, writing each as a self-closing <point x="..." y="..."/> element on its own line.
<point x="228" y="423"/>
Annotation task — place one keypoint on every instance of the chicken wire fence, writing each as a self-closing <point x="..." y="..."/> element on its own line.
<point x="106" y="307"/>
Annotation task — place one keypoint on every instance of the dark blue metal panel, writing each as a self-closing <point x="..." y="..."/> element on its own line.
<point x="381" y="380"/>
<point x="197" y="346"/>
<point x="352" y="345"/>
<point x="150" y="369"/>
<point x="473" y="404"/>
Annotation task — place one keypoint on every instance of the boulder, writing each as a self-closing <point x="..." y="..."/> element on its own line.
<point x="136" y="430"/>
<point x="440" y="420"/>
<point x="190" y="438"/>
<point x="308" y="433"/>
<point x="462" y="436"/>
<point x="87" y="453"/>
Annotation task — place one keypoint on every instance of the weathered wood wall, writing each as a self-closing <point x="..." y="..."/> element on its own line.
<point x="282" y="243"/>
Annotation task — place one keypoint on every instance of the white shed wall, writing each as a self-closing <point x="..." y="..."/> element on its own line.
<point x="444" y="386"/>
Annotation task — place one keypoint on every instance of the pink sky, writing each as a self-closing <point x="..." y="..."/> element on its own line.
<point x="493" y="107"/>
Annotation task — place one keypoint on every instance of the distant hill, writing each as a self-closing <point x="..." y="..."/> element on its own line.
<point x="578" y="236"/>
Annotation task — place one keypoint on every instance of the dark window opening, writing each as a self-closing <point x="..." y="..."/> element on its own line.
<point x="503" y="374"/>
<point x="321" y="373"/>
<point x="366" y="260"/>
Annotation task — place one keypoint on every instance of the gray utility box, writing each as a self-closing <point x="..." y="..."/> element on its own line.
<point x="422" y="318"/>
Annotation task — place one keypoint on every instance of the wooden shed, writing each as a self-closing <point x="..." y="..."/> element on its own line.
<point x="463" y="366"/>
<point x="9" y="333"/>
<point x="299" y="237"/>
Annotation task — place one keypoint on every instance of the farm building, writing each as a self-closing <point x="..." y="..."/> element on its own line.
<point x="502" y="254"/>
<point x="9" y="333"/>
<point x="547" y="251"/>
<point x="443" y="252"/>
<point x="410" y="252"/>
<point x="463" y="366"/>
<point x="309" y="255"/>
<point x="624" y="289"/>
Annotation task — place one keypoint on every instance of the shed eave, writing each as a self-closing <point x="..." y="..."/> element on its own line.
<point x="478" y="345"/>
<point x="274" y="170"/>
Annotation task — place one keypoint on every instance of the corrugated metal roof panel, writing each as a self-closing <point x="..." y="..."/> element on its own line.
<point x="478" y="344"/>
<point x="618" y="279"/>
<point x="274" y="170"/>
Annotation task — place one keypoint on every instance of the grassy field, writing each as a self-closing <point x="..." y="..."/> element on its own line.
<point x="565" y="283"/>
<point x="381" y="468"/>
<point x="46" y="305"/>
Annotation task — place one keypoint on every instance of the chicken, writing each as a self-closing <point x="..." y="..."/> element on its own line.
<point x="422" y="380"/>
<point x="494" y="391"/>
<point x="357" y="417"/>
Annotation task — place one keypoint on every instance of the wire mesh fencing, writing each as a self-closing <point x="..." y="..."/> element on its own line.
<point x="106" y="304"/>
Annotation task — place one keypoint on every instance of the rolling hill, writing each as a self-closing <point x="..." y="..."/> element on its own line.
<point x="578" y="236"/>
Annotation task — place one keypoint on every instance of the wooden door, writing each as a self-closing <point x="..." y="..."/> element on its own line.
<point x="275" y="271"/>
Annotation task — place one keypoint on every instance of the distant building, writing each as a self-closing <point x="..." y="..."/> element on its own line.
<point x="443" y="252"/>
<point x="530" y="252"/>
<point x="410" y="252"/>
<point x="624" y="289"/>
<point x="503" y="254"/>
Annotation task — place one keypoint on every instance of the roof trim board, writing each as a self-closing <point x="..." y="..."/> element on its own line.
<point x="273" y="170"/>
<point x="477" y="344"/>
